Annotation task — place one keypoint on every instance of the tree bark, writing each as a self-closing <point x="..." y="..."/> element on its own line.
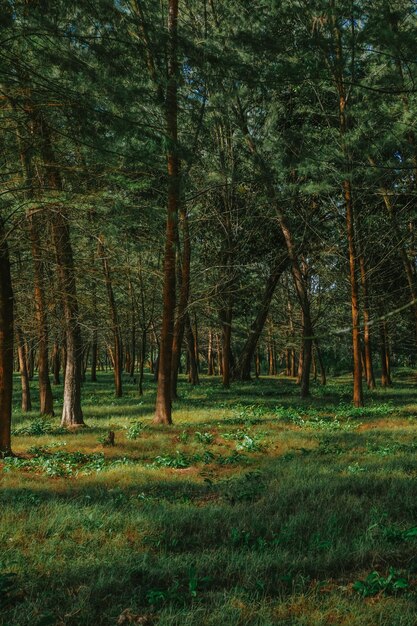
<point x="299" y="282"/>
<point x="56" y="363"/>
<point x="163" y="408"/>
<point x="117" y="343"/>
<point x="350" y="225"/>
<point x="6" y="346"/>
<point x="184" y="282"/>
<point x="193" y="376"/>
<point x="369" y="370"/>
<point x="24" y="377"/>
<point x="242" y="368"/>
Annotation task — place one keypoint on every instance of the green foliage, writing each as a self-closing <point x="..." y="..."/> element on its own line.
<point x="134" y="430"/>
<point x="63" y="464"/>
<point x="205" y="438"/>
<point x="374" y="584"/>
<point x="37" y="427"/>
<point x="177" y="461"/>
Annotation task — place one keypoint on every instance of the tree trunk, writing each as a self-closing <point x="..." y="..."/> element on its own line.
<point x="6" y="346"/>
<point x="21" y="350"/>
<point x="226" y="319"/>
<point x="56" y="363"/>
<point x="72" y="414"/>
<point x="191" y="344"/>
<point x="257" y="363"/>
<point x="242" y="369"/>
<point x="385" y="379"/>
<point x="210" y="356"/>
<point x="117" y="344"/>
<point x="163" y="408"/>
<point x="94" y="356"/>
<point x="299" y="281"/>
<point x="184" y="283"/>
<point x="45" y="391"/>
<point x="369" y="370"/>
<point x="142" y="361"/>
<point x="348" y="200"/>
<point x="36" y="223"/>
<point x="321" y="363"/>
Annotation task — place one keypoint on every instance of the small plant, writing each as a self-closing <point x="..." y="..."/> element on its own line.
<point x="107" y="440"/>
<point x="134" y="430"/>
<point x="63" y="464"/>
<point x="206" y="438"/>
<point x="232" y="459"/>
<point x="177" y="461"/>
<point x="35" y="428"/>
<point x="183" y="437"/>
<point x="355" y="468"/>
<point x="374" y="584"/>
<point x="249" y="444"/>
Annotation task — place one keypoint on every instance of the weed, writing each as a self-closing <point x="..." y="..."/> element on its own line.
<point x="374" y="584"/>
<point x="206" y="438"/>
<point x="134" y="430"/>
<point x="38" y="427"/>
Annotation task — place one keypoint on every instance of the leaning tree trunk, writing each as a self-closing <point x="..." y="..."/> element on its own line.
<point x="299" y="280"/>
<point x="24" y="377"/>
<point x="163" y="408"/>
<point x="243" y="365"/>
<point x="6" y="346"/>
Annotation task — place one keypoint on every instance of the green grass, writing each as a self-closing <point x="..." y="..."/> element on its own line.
<point x="253" y="509"/>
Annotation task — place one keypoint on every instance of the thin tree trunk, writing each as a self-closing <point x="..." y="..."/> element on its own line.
<point x="226" y="319"/>
<point x="257" y="363"/>
<point x="56" y="363"/>
<point x="299" y="281"/>
<point x="94" y="356"/>
<point x="6" y="346"/>
<point x="184" y="283"/>
<point x="142" y="361"/>
<point x="219" y="356"/>
<point x="321" y="363"/>
<point x="350" y="224"/>
<point x="210" y="359"/>
<point x="385" y="380"/>
<point x="36" y="223"/>
<point x="369" y="370"/>
<point x="117" y="344"/>
<point x="21" y="350"/>
<point x="191" y="344"/>
<point x="242" y="369"/>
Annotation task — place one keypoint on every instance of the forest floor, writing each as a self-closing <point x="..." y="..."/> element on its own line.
<point x="253" y="509"/>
